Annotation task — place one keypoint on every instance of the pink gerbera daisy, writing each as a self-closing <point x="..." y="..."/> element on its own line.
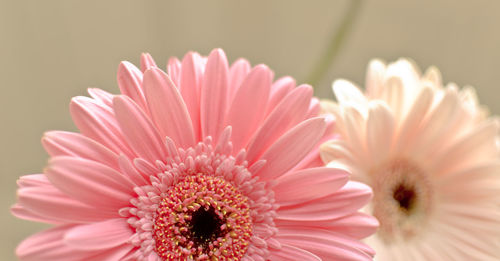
<point x="430" y="152"/>
<point x="206" y="162"/>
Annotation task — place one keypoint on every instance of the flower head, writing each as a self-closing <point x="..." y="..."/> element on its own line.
<point x="205" y="162"/>
<point x="430" y="154"/>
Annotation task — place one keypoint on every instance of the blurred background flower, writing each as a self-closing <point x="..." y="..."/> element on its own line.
<point x="53" y="50"/>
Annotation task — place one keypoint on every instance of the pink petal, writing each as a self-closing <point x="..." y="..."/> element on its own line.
<point x="48" y="245"/>
<point x="50" y="203"/>
<point x="291" y="148"/>
<point x="305" y="185"/>
<point x="140" y="133"/>
<point x="356" y="225"/>
<point x="249" y="105"/>
<point x="326" y="244"/>
<point x="118" y="253"/>
<point x="375" y="78"/>
<point x="280" y="90"/>
<point x="288" y="113"/>
<point x="98" y="123"/>
<point x="393" y="94"/>
<point x="26" y="214"/>
<point x="414" y="117"/>
<point x="347" y="92"/>
<point x="471" y="149"/>
<point x="314" y="108"/>
<point x="214" y="100"/>
<point x="90" y="182"/>
<point x="471" y="185"/>
<point x="190" y="86"/>
<point x="33" y="180"/>
<point x="100" y="235"/>
<point x="237" y="73"/>
<point x="130" y="81"/>
<point x="128" y="169"/>
<point x="439" y="121"/>
<point x="174" y="70"/>
<point x="167" y="108"/>
<point x="345" y="201"/>
<point x="62" y="143"/>
<point x="379" y="131"/>
<point x="103" y="96"/>
<point x="355" y="125"/>
<point x="147" y="62"/>
<point x="313" y="158"/>
<point x="288" y="252"/>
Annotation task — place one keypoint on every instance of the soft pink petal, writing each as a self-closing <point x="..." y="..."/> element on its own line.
<point x="413" y="119"/>
<point x="103" y="96"/>
<point x="356" y="225"/>
<point x="62" y="143"/>
<point x="279" y="90"/>
<point x="328" y="245"/>
<point x="237" y="73"/>
<point x="117" y="253"/>
<point x="214" y="95"/>
<point x="313" y="158"/>
<point x="345" y="201"/>
<point x="174" y="70"/>
<point x="355" y="129"/>
<point x="471" y="149"/>
<point x="393" y="94"/>
<point x="190" y="86"/>
<point x="49" y="245"/>
<point x="375" y="78"/>
<point x="141" y="134"/>
<point x="347" y="92"/>
<point x="287" y="114"/>
<point x="314" y="108"/>
<point x="439" y="121"/>
<point x="26" y="214"/>
<point x="98" y="123"/>
<point x="288" y="252"/>
<point x="99" y="235"/>
<point x="128" y="169"/>
<point x="147" y="62"/>
<point x="33" y="180"/>
<point x="471" y="185"/>
<point x="130" y="81"/>
<point x="50" y="203"/>
<point x="90" y="182"/>
<point x="167" y="108"/>
<point x="379" y="131"/>
<point x="305" y="185"/>
<point x="287" y="151"/>
<point x="249" y="105"/>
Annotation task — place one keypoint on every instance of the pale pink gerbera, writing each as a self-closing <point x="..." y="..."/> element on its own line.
<point x="203" y="163"/>
<point x="429" y="152"/>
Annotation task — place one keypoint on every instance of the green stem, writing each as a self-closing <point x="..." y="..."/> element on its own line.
<point x="337" y="39"/>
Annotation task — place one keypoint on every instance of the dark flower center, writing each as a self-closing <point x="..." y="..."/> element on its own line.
<point x="202" y="217"/>
<point x="205" y="226"/>
<point x="406" y="197"/>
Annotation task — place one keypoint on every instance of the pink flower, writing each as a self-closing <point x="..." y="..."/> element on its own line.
<point x="430" y="152"/>
<point x="203" y="163"/>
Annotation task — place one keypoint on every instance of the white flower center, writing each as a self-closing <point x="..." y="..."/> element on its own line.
<point x="402" y="199"/>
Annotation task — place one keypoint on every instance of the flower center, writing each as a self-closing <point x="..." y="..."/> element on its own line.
<point x="406" y="198"/>
<point x="402" y="199"/>
<point x="202" y="218"/>
<point x="205" y="226"/>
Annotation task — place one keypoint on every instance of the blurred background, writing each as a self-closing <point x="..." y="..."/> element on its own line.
<point x="51" y="51"/>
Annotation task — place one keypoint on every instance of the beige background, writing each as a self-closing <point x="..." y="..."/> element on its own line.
<point x="52" y="50"/>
